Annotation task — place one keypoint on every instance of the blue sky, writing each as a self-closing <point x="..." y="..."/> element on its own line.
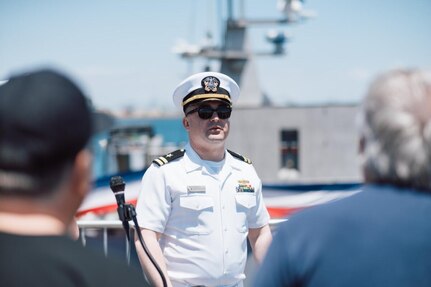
<point x="120" y="51"/>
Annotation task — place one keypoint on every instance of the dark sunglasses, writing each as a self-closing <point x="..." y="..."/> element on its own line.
<point x="206" y="112"/>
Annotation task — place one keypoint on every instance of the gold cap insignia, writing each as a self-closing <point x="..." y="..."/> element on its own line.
<point x="210" y="84"/>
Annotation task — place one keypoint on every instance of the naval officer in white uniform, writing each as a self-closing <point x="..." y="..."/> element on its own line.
<point x="198" y="205"/>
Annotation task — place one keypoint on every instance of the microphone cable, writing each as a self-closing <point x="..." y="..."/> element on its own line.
<point x="127" y="212"/>
<point x="144" y="246"/>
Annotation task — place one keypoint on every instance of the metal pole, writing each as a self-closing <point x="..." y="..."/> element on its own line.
<point x="229" y="9"/>
<point x="105" y="241"/>
<point x="83" y="236"/>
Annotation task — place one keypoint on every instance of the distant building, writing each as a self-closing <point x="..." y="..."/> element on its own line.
<point x="303" y="144"/>
<point x="298" y="144"/>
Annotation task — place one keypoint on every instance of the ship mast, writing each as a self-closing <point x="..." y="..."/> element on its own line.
<point x="235" y="54"/>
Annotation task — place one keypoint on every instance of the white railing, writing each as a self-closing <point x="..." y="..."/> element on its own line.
<point x="87" y="227"/>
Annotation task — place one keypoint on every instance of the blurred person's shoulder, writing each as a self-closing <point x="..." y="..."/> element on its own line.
<point x="68" y="262"/>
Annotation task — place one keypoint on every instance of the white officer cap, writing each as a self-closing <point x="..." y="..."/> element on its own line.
<point x="206" y="86"/>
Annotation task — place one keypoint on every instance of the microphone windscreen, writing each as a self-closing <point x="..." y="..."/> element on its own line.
<point x="117" y="184"/>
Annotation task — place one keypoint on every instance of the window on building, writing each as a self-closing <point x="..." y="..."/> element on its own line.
<point x="290" y="149"/>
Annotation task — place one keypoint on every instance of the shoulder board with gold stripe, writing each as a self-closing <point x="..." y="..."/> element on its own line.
<point x="169" y="157"/>
<point x="240" y="157"/>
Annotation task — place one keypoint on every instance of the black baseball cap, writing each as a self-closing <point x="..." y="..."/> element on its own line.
<point x="45" y="120"/>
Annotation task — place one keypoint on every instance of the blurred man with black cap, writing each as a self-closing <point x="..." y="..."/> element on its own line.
<point x="45" y="125"/>
<point x="198" y="205"/>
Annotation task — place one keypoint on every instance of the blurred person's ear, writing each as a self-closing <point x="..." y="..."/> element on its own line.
<point x="76" y="188"/>
<point x="81" y="174"/>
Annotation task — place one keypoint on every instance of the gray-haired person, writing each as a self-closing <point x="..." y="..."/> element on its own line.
<point x="381" y="235"/>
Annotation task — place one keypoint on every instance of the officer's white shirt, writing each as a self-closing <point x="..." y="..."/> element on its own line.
<point x="204" y="217"/>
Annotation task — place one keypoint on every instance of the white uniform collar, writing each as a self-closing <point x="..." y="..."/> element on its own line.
<point x="192" y="159"/>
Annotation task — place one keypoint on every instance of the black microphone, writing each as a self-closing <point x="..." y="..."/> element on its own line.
<point x="118" y="186"/>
